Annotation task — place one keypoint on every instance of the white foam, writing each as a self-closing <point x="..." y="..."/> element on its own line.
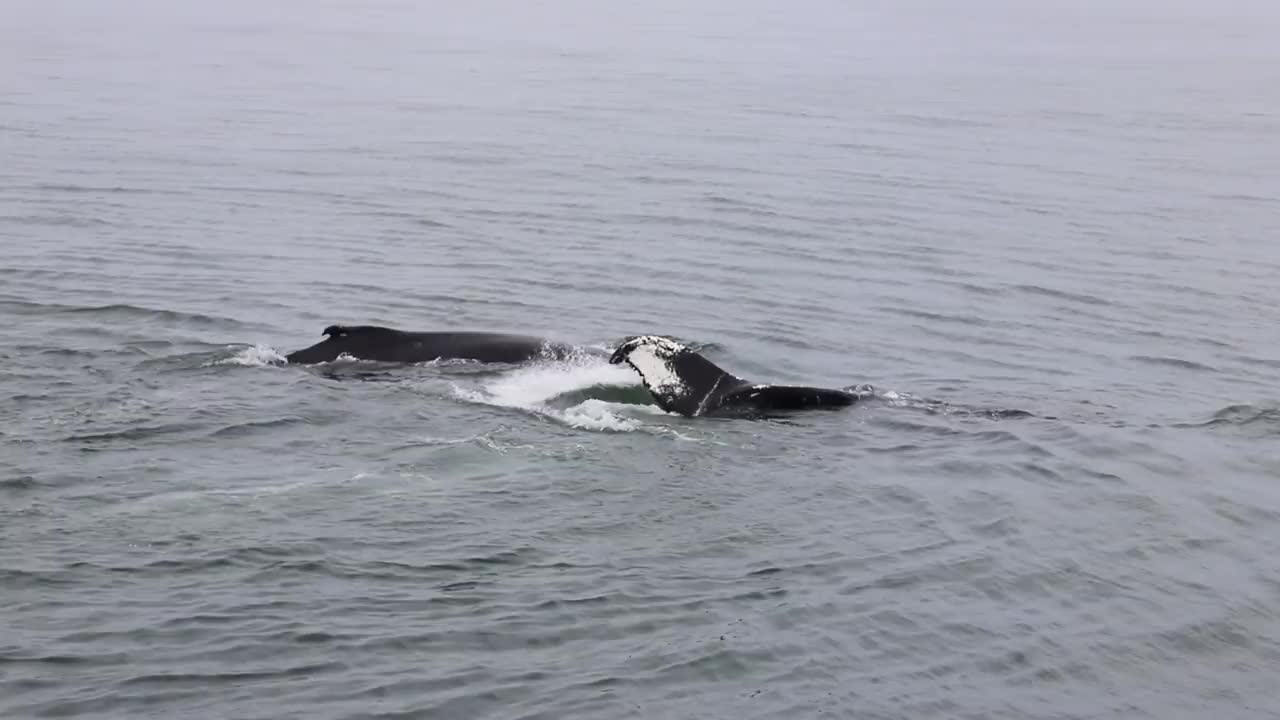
<point x="344" y="359"/>
<point x="535" y="384"/>
<point x="529" y="388"/>
<point x="256" y="356"/>
<point x="482" y="439"/>
<point x="598" y="415"/>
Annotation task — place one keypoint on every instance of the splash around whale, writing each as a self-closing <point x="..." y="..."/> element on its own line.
<point x="682" y="381"/>
<point x="383" y="344"/>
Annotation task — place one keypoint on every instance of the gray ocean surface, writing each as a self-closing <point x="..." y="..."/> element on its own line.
<point x="1066" y="209"/>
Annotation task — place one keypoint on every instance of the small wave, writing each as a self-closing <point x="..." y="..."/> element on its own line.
<point x="118" y="311"/>
<point x="937" y="407"/>
<point x="1084" y="298"/>
<point x="485" y="440"/>
<point x="101" y="189"/>
<point x="63" y="660"/>
<point x="253" y="427"/>
<point x="1174" y="362"/>
<point x="976" y="288"/>
<point x="957" y="319"/>
<point x="56" y="220"/>
<point x="146" y="432"/>
<point x="401" y="215"/>
<point x="56" y="352"/>
<point x="21" y="482"/>
<point x="1261" y="361"/>
<point x="1264" y="419"/>
<point x="236" y="677"/>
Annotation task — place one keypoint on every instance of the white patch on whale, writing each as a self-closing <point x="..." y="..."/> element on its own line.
<point x="651" y="356"/>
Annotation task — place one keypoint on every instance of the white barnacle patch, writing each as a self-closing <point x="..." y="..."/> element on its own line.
<point x="652" y="356"/>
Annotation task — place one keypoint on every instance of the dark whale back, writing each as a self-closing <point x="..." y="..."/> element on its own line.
<point x="371" y="342"/>
<point x="684" y="382"/>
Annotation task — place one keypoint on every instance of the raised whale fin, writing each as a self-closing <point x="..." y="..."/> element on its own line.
<point x="680" y="380"/>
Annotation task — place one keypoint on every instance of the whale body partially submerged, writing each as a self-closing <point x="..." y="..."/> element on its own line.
<point x="372" y="342"/>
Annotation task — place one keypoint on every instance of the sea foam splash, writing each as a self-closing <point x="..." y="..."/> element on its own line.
<point x="531" y="388"/>
<point x="256" y="356"/>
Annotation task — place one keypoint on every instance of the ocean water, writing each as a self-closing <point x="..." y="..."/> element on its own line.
<point x="1045" y="232"/>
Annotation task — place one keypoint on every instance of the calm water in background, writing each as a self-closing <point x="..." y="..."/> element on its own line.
<point x="1069" y="209"/>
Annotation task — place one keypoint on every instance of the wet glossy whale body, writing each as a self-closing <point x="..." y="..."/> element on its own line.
<point x="684" y="382"/>
<point x="370" y="342"/>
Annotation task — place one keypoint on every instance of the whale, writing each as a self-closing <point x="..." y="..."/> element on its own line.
<point x="682" y="381"/>
<point x="384" y="344"/>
